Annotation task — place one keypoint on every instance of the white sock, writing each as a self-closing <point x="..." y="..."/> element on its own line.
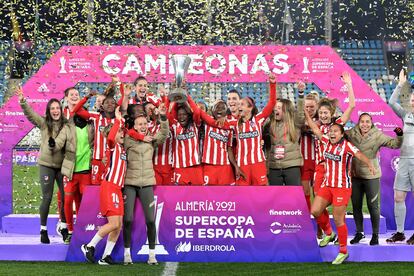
<point x="43" y="227"/>
<point x="152" y="252"/>
<point x="95" y="240"/>
<point x="63" y="225"/>
<point x="127" y="251"/>
<point x="108" y="248"/>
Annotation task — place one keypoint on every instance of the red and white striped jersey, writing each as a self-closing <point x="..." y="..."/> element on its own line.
<point x="185" y="145"/>
<point x="163" y="153"/>
<point x="231" y="118"/>
<point x="100" y="143"/>
<point x="149" y="97"/>
<point x="319" y="146"/>
<point x="216" y="142"/>
<point x="307" y="146"/>
<point x="116" y="159"/>
<point x="99" y="122"/>
<point x="67" y="114"/>
<point x="249" y="141"/>
<point x="338" y="160"/>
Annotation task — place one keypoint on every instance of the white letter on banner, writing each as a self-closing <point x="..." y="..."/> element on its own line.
<point x="132" y="65"/>
<point x="260" y="63"/>
<point x="179" y="233"/>
<point x="220" y="69"/>
<point x="196" y="61"/>
<point x="284" y="65"/>
<point x="159" y="62"/>
<point x="107" y="68"/>
<point x="178" y="220"/>
<point x="234" y="62"/>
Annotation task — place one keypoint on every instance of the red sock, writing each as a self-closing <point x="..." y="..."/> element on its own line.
<point x="69" y="211"/>
<point x="342" y="238"/>
<point x="308" y="202"/>
<point x="77" y="197"/>
<point x="324" y="223"/>
<point x="59" y="202"/>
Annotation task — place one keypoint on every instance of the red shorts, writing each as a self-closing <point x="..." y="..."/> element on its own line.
<point x="318" y="177"/>
<point x="218" y="175"/>
<point x="189" y="176"/>
<point x="97" y="169"/>
<point x="77" y="184"/>
<point x="163" y="174"/>
<point x="307" y="170"/>
<point x="112" y="202"/>
<point x="256" y="174"/>
<point x="336" y="196"/>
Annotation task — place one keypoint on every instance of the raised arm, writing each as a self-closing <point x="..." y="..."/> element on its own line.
<point x="162" y="134"/>
<point x="30" y="114"/>
<point x="315" y="129"/>
<point x="390" y="142"/>
<point x="268" y="109"/>
<point x="300" y="108"/>
<point x="209" y="120"/>
<point x="346" y="78"/>
<point x="80" y="111"/>
<point x="393" y="102"/>
<point x="114" y="130"/>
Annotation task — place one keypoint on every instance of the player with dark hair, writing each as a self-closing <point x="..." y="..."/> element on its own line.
<point x="326" y="111"/>
<point x="111" y="199"/>
<point x="140" y="179"/>
<point x="336" y="188"/>
<point x="251" y="165"/>
<point x="50" y="163"/>
<point x="368" y="139"/>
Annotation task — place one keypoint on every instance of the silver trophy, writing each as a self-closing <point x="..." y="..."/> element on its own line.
<point x="181" y="64"/>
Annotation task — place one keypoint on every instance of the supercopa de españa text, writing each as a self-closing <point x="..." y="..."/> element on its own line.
<point x="234" y="227"/>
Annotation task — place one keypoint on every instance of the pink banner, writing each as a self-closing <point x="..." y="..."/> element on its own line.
<point x="211" y="224"/>
<point x="72" y="64"/>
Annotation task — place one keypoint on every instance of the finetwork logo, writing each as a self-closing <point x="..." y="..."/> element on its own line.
<point x="183" y="247"/>
<point x="274" y="212"/>
<point x="43" y="88"/>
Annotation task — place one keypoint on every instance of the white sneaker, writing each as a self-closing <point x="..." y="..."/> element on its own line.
<point x="152" y="260"/>
<point x="127" y="259"/>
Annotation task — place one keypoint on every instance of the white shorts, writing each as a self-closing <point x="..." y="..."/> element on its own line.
<point x="404" y="179"/>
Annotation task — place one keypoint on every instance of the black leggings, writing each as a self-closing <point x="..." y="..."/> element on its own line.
<point x="285" y="177"/>
<point x="146" y="196"/>
<point x="48" y="176"/>
<point x="370" y="187"/>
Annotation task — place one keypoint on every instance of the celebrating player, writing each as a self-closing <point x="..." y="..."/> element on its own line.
<point x="326" y="111"/>
<point x="248" y="132"/>
<point x="307" y="144"/>
<point x="368" y="139"/>
<point x="217" y="149"/>
<point x="49" y="162"/>
<point x="336" y="188"/>
<point x="281" y="136"/>
<point x="404" y="180"/>
<point x="111" y="200"/>
<point x="140" y="180"/>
